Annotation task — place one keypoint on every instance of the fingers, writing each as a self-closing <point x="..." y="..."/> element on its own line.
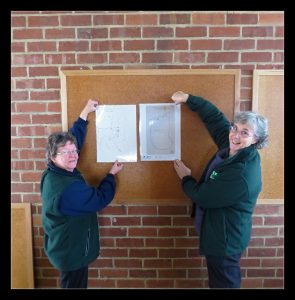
<point x="179" y="97"/>
<point x="93" y="102"/>
<point x="174" y="98"/>
<point x="176" y="95"/>
<point x="178" y="163"/>
<point x="118" y="164"/>
<point x="116" y="167"/>
<point x="92" y="105"/>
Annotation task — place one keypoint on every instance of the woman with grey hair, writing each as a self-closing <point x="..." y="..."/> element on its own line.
<point x="225" y="196"/>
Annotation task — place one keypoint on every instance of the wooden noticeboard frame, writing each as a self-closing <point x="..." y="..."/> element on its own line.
<point x="149" y="182"/>
<point x="21" y="246"/>
<point x="268" y="100"/>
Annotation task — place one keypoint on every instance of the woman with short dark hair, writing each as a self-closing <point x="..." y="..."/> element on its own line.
<point x="70" y="205"/>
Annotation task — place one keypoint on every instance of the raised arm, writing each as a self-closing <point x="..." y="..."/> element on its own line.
<point x="89" y="107"/>
<point x="79" y="128"/>
<point x="214" y="120"/>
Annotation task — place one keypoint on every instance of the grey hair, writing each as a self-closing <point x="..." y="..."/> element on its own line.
<point x="56" y="140"/>
<point x="258" y="123"/>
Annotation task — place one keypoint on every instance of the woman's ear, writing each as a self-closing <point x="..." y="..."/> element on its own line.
<point x="254" y="140"/>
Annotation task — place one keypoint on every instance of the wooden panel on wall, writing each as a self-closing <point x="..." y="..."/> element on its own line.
<point x="21" y="246"/>
<point x="268" y="100"/>
<point x="149" y="182"/>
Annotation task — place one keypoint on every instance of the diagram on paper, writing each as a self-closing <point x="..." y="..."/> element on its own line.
<point x="160" y="131"/>
<point x="116" y="133"/>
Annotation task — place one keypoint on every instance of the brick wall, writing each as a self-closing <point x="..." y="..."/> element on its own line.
<point x="142" y="246"/>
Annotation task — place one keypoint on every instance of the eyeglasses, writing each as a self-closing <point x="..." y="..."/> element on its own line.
<point x="243" y="133"/>
<point x="68" y="152"/>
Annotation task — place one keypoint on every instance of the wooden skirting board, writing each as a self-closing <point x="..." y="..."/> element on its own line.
<point x="21" y="246"/>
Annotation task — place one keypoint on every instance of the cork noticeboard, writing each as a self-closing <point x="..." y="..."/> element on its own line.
<point x="21" y="246"/>
<point x="268" y="100"/>
<point x="148" y="182"/>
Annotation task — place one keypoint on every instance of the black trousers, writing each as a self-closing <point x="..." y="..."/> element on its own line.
<point x="224" y="271"/>
<point x="74" y="279"/>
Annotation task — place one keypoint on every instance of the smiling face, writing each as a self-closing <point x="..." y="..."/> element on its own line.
<point x="66" y="157"/>
<point x="240" y="136"/>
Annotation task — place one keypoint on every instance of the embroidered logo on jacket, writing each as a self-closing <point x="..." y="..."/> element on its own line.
<point x="213" y="175"/>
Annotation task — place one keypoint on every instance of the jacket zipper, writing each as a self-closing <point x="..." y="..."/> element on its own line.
<point x="87" y="242"/>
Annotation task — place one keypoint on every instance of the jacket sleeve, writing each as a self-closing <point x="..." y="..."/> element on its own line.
<point x="80" y="198"/>
<point x="214" y="120"/>
<point x="79" y="130"/>
<point x="226" y="189"/>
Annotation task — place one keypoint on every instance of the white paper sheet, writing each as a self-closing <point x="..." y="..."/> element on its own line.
<point x="116" y="133"/>
<point x="159" y="131"/>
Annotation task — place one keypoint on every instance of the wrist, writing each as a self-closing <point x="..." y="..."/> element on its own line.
<point x="185" y="98"/>
<point x="84" y="115"/>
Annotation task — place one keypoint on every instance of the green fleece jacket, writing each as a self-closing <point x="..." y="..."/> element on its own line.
<point x="70" y="242"/>
<point x="229" y="196"/>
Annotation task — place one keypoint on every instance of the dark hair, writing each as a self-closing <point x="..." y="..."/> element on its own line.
<point x="56" y="140"/>
<point x="258" y="123"/>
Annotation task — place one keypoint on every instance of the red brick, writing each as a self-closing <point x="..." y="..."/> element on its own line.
<point x="125" y="32"/>
<point x="157" y="32"/>
<point x="172" y="45"/>
<point x="191" y="31"/>
<point x="156" y="221"/>
<point x="172" y="18"/>
<point x="112" y="45"/>
<point x="21" y="142"/>
<point x="17" y="47"/>
<point x="211" y="44"/>
<point x="270" y="44"/>
<point x="256" y="57"/>
<point x="60" y="33"/>
<point x="45" y="95"/>
<point x="257" y="31"/>
<point x="95" y="58"/>
<point x="30" y="84"/>
<point x="78" y="20"/>
<point x="18" y="72"/>
<point x="157" y="57"/>
<point x="224" y="31"/>
<point x="147" y="232"/>
<point x="222" y="57"/>
<point x="123" y="58"/>
<point x="27" y="59"/>
<point x="43" y="71"/>
<point x="141" y="19"/>
<point x="41" y="46"/>
<point x="244" y="18"/>
<point x="271" y="18"/>
<point x="43" y="21"/>
<point x="92" y="33"/>
<point x="108" y="19"/>
<point x="128" y="263"/>
<point x="27" y="34"/>
<point x="208" y="18"/>
<point x="18" y="21"/>
<point x="74" y="46"/>
<point x="139" y="45"/>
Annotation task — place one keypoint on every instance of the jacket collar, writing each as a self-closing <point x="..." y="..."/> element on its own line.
<point x="54" y="168"/>
<point x="243" y="155"/>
